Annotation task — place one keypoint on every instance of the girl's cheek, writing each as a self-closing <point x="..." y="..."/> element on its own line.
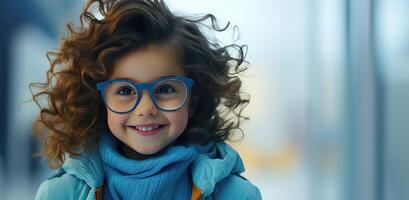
<point x="180" y="120"/>
<point x="116" y="120"/>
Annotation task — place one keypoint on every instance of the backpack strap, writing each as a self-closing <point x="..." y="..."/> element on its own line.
<point x="98" y="193"/>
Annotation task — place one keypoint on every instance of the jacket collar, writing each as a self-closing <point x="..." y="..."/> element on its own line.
<point x="214" y="162"/>
<point x="86" y="167"/>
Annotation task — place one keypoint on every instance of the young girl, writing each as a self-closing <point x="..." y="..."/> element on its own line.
<point x="137" y="106"/>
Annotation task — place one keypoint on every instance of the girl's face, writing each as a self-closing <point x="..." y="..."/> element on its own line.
<point x="146" y="65"/>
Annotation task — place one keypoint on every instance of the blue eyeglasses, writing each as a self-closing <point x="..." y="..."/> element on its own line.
<point x="167" y="94"/>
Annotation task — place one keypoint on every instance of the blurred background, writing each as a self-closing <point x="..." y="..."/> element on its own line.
<point x="329" y="87"/>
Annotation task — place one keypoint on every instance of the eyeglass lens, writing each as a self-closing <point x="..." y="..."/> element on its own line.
<point x="167" y="95"/>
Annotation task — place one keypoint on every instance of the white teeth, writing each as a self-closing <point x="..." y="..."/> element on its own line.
<point x="149" y="128"/>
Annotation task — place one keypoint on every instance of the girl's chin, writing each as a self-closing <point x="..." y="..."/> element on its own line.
<point x="147" y="152"/>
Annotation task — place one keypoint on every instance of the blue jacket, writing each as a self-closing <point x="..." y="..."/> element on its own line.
<point x="214" y="177"/>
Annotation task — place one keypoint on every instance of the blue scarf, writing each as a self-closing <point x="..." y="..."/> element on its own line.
<point x="165" y="176"/>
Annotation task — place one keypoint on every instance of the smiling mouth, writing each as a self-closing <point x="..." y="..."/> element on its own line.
<point x="147" y="130"/>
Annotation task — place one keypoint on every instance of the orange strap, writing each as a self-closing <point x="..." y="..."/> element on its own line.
<point x="196" y="193"/>
<point x="98" y="193"/>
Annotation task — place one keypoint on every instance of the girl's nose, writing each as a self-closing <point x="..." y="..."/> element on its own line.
<point x="145" y="107"/>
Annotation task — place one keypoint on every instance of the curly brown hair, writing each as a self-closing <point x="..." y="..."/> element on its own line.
<point x="75" y="116"/>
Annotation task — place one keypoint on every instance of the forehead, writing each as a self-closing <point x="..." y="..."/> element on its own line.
<point x="147" y="64"/>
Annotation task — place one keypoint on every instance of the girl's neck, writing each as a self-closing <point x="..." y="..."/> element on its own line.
<point x="129" y="153"/>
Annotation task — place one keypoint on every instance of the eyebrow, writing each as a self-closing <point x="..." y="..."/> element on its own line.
<point x="130" y="79"/>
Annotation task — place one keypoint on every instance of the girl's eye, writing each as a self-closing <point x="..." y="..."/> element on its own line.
<point x="165" y="89"/>
<point x="125" y="91"/>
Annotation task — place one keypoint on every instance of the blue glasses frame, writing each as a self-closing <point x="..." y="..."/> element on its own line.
<point x="101" y="86"/>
